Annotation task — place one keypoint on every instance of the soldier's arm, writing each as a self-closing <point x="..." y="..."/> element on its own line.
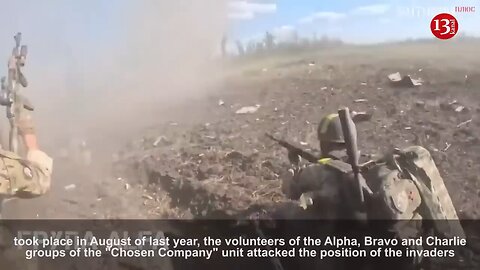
<point x="30" y="177"/>
<point x="315" y="177"/>
<point x="25" y="178"/>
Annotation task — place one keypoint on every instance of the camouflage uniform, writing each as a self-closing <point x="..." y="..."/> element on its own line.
<point x="22" y="178"/>
<point x="25" y="178"/>
<point x="325" y="185"/>
<point x="406" y="187"/>
<point x="406" y="182"/>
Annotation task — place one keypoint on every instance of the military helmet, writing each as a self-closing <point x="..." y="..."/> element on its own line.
<point x="330" y="130"/>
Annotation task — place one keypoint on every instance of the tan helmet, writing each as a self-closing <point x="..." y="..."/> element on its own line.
<point x="330" y="130"/>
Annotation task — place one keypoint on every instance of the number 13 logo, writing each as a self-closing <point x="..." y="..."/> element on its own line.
<point x="444" y="26"/>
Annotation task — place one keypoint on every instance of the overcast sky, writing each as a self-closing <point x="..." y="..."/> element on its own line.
<point x="351" y="20"/>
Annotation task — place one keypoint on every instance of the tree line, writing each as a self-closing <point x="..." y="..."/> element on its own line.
<point x="270" y="44"/>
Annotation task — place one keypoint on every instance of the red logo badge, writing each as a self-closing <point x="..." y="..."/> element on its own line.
<point x="444" y="26"/>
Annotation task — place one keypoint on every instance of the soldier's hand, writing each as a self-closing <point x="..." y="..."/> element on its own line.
<point x="363" y="183"/>
<point x="42" y="160"/>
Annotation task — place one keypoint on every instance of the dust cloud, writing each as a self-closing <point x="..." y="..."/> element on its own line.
<point x="103" y="69"/>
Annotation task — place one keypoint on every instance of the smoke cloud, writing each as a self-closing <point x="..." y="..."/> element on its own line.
<point x="103" y="67"/>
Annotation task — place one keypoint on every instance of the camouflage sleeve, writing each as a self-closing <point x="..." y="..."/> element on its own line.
<point x="314" y="177"/>
<point x="401" y="198"/>
<point x="25" y="178"/>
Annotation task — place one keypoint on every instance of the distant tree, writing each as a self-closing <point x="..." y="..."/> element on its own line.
<point x="462" y="36"/>
<point x="240" y="48"/>
<point x="269" y="41"/>
<point x="305" y="42"/>
<point x="259" y="47"/>
<point x="251" y="47"/>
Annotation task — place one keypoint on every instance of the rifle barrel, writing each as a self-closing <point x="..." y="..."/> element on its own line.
<point x="295" y="150"/>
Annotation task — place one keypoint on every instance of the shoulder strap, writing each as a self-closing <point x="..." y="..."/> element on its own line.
<point x="337" y="165"/>
<point x="336" y="154"/>
<point x="8" y="154"/>
<point x="13" y="156"/>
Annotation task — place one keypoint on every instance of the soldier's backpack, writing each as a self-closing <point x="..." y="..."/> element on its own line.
<point x="415" y="164"/>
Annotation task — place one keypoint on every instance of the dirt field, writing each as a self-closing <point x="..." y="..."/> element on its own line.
<point x="229" y="156"/>
<point x="229" y="163"/>
<point x="207" y="159"/>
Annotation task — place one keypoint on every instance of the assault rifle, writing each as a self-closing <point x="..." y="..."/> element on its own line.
<point x="295" y="152"/>
<point x="9" y="95"/>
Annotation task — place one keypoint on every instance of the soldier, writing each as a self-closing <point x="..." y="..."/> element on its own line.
<point x="25" y="178"/>
<point x="405" y="186"/>
<point x="22" y="178"/>
<point x="327" y="180"/>
<point x="326" y="191"/>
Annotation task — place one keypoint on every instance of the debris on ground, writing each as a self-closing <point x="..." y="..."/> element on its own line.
<point x="358" y="117"/>
<point x="218" y="160"/>
<point x="460" y="109"/>
<point x="464" y="123"/>
<point x="360" y="100"/>
<point x="161" y="139"/>
<point x="147" y="197"/>
<point x="70" y="187"/>
<point x="248" y="109"/>
<point x="397" y="80"/>
<point x="227" y="165"/>
<point x="447" y="146"/>
<point x="420" y="103"/>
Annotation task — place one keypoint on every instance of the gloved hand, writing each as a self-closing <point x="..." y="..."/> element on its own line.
<point x="41" y="160"/>
<point x="43" y="166"/>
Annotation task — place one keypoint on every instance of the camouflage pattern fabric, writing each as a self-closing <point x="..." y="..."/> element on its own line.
<point x="408" y="185"/>
<point x="396" y="198"/>
<point x="25" y="178"/>
<point x="417" y="163"/>
<point x="324" y="187"/>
